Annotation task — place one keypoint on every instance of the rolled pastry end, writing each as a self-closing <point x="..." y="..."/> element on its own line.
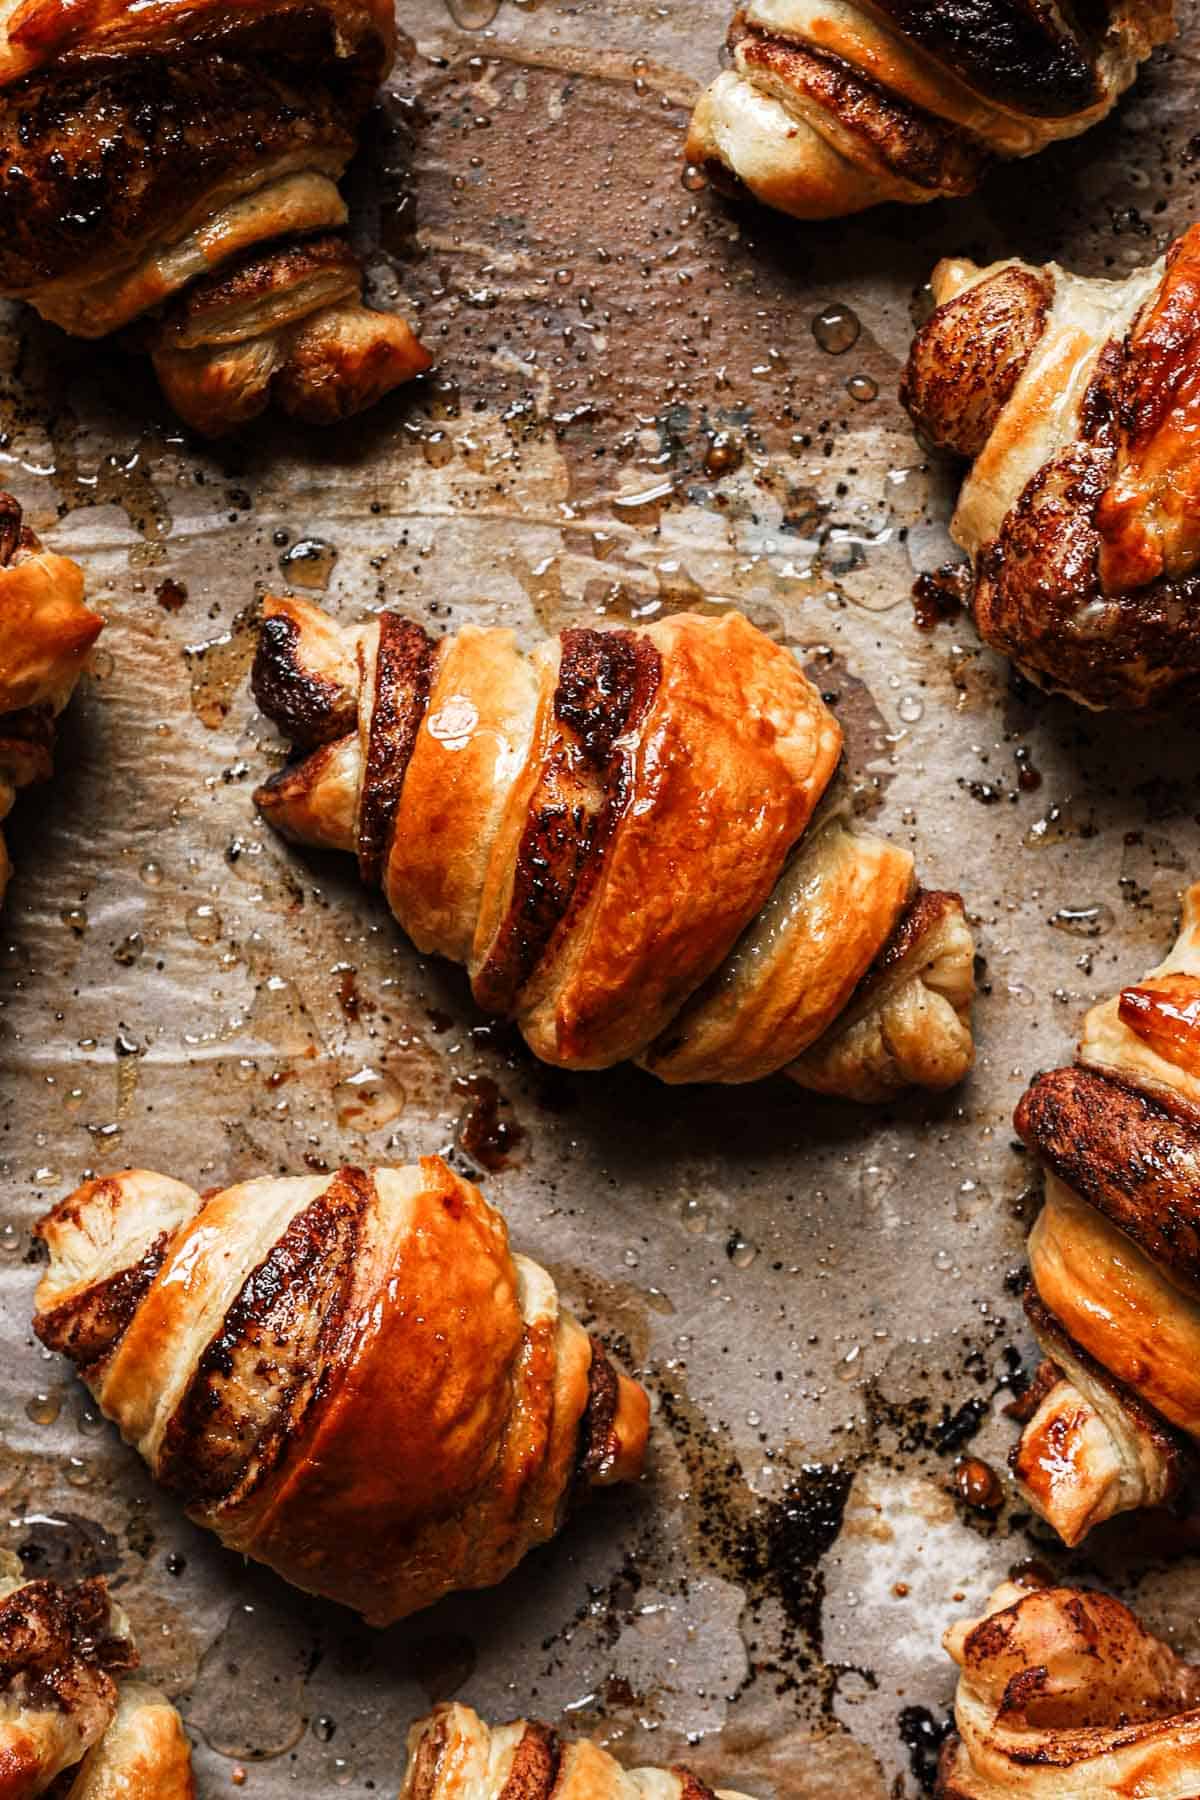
<point x="286" y="325"/>
<point x="630" y="1427"/>
<point x="910" y="1025"/>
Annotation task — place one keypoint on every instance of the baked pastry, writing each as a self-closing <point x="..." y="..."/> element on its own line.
<point x="177" y="164"/>
<point x="626" y="838"/>
<point x="1063" y="1695"/>
<point x="347" y="1377"/>
<point x="829" y="109"/>
<point x="453" y="1755"/>
<point x="70" y="1723"/>
<point x="46" y="632"/>
<point x="1078" y="401"/>
<point x="1114" y="1296"/>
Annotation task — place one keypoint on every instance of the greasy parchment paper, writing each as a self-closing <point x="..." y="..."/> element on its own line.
<point x="632" y="413"/>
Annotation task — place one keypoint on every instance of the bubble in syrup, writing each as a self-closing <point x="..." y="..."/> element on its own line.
<point x="76" y="918"/>
<point x="204" y="923"/>
<point x="10" y="1240"/>
<point x="861" y="387"/>
<point x="151" y="873"/>
<point x="130" y="950"/>
<point x="473" y="15"/>
<point x="323" y="1728"/>
<point x="740" y="1251"/>
<point x="693" y="178"/>
<point x="836" y="329"/>
<point x="911" y="708"/>
<point x="695" y="1219"/>
<point x="43" y="1409"/>
<point x="1084" y="921"/>
<point x="437" y="447"/>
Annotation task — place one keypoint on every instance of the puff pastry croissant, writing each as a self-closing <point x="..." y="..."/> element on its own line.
<point x="1063" y="1695"/>
<point x="453" y="1755"/>
<point x="46" y="632"/>
<point x="616" y="835"/>
<point x="1115" y="1254"/>
<point x="69" y="1722"/>
<point x="348" y="1377"/>
<point x="177" y="163"/>
<point x="1079" y="402"/>
<point x="829" y="108"/>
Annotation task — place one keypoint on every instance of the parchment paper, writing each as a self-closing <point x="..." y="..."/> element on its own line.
<point x="632" y="414"/>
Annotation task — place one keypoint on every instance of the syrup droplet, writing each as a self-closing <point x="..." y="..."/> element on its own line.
<point x="836" y="329"/>
<point x="862" y="388"/>
<point x="204" y="923"/>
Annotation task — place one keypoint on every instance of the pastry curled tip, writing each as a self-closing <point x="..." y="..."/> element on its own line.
<point x="454" y="1755"/>
<point x="288" y="327"/>
<point x="1063" y="1695"/>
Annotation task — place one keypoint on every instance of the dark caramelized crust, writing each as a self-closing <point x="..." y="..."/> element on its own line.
<point x="95" y="162"/>
<point x="968" y="358"/>
<point x="534" y="1770"/>
<point x="928" y="908"/>
<point x="1020" y="53"/>
<point x="403" y="673"/>
<point x="56" y="1646"/>
<point x="266" y="1366"/>
<point x="1130" y="1156"/>
<point x="911" y="143"/>
<point x="306" y="705"/>
<point x="89" y="1326"/>
<point x="690" y="1786"/>
<point x="606" y="683"/>
<point x="597" y="1447"/>
<point x="262" y="290"/>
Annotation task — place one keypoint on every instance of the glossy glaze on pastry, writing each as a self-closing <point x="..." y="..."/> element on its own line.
<point x="830" y="106"/>
<point x="349" y="1377"/>
<point x="1078" y="401"/>
<point x="1115" y="1254"/>
<point x="174" y="166"/>
<point x="619" y="836"/>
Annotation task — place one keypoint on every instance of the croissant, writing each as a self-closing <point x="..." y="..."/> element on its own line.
<point x="177" y="164"/>
<point x="348" y="1378"/>
<point x="453" y="1755"/>
<point x="1115" y="1254"/>
<point x="1063" y="1695"/>
<point x="829" y="109"/>
<point x="616" y="834"/>
<point x="1078" y="401"/>
<point x="68" y="1720"/>
<point x="46" y="632"/>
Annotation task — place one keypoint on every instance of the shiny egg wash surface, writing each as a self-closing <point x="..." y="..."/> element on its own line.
<point x="646" y="399"/>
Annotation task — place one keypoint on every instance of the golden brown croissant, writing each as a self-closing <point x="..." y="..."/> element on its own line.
<point x="1079" y="402"/>
<point x="1115" y="1254"/>
<point x="453" y="1755"/>
<point x="830" y="108"/>
<point x="68" y="1720"/>
<point x="177" y="163"/>
<point x="46" y="632"/>
<point x="614" y="835"/>
<point x="1063" y="1695"/>
<point x="347" y="1377"/>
